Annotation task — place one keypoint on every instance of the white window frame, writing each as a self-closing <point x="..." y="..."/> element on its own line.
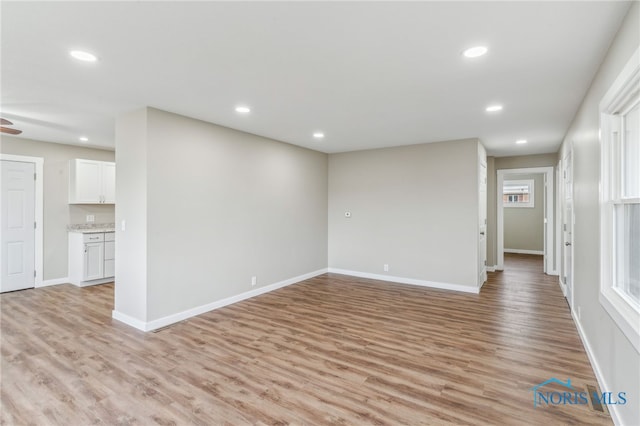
<point x="532" y="189"/>
<point x="621" y="97"/>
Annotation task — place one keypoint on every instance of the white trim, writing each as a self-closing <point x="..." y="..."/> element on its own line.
<point x="198" y="310"/>
<point x="412" y="281"/>
<point x="549" y="250"/>
<point x="563" y="287"/>
<point x="93" y="282"/>
<point x="491" y="268"/>
<point x="129" y="320"/>
<point x="39" y="234"/>
<point x="558" y="232"/>
<point x="623" y="93"/>
<point x="604" y="387"/>
<point x="55" y="281"/>
<point x="518" y="251"/>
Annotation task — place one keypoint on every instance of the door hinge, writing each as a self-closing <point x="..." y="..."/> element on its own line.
<point x="485" y="263"/>
<point x="564" y="226"/>
<point x="34" y="274"/>
<point x="35" y="225"/>
<point x="35" y="176"/>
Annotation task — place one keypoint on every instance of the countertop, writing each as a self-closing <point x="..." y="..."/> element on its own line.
<point x="93" y="228"/>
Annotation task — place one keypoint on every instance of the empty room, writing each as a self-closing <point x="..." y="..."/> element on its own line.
<point x="309" y="213"/>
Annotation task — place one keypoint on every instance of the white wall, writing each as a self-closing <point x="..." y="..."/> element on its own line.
<point x="131" y="208"/>
<point x="221" y="206"/>
<point x="414" y="208"/>
<point x="58" y="213"/>
<point x="615" y="358"/>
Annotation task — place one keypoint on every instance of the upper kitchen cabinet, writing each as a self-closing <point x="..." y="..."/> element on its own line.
<point x="92" y="182"/>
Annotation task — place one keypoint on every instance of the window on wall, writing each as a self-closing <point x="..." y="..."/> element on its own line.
<point x="620" y="200"/>
<point x="518" y="193"/>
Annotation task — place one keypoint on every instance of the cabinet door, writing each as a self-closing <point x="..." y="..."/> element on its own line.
<point x="109" y="268"/>
<point x="85" y="182"/>
<point x="108" y="183"/>
<point x="93" y="261"/>
<point x="109" y="250"/>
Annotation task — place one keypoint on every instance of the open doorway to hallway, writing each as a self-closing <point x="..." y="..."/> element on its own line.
<point x="526" y="215"/>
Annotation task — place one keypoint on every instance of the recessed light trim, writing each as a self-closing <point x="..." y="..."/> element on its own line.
<point x="243" y="109"/>
<point x="475" y="52"/>
<point x="318" y="135"/>
<point x="493" y="108"/>
<point x="83" y="139"/>
<point x="521" y="141"/>
<point x="81" y="55"/>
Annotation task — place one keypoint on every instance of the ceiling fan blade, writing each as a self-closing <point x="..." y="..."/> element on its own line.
<point x="5" y="122"/>
<point x="10" y="130"/>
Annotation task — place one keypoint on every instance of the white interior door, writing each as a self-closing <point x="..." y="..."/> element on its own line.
<point x="482" y="224"/>
<point x="567" y="228"/>
<point x="18" y="226"/>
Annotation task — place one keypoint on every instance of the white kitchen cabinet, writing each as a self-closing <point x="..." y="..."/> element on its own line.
<point x="91" y="258"/>
<point x="109" y="254"/>
<point x="92" y="182"/>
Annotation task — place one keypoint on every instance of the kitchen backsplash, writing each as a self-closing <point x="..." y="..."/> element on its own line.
<point x="101" y="213"/>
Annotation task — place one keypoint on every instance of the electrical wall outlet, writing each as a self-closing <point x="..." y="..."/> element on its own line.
<point x="254" y="281"/>
<point x="386" y="267"/>
<point x="91" y="218"/>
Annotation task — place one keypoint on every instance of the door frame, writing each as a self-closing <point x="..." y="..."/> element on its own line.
<point x="549" y="249"/>
<point x="39" y="207"/>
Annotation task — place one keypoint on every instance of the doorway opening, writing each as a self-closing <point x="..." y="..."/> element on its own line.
<point x="527" y="192"/>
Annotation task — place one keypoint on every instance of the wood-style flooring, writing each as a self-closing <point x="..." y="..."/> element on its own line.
<point x="332" y="349"/>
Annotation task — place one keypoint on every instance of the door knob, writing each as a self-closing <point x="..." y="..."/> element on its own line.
<point x="567" y="243"/>
<point x="482" y="233"/>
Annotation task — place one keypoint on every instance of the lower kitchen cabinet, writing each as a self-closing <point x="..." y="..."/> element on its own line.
<point x="91" y="258"/>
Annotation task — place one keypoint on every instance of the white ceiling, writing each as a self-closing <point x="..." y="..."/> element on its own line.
<point x="367" y="74"/>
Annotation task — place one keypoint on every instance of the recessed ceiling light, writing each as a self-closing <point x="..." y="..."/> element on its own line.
<point x="243" y="109"/>
<point x="318" y="135"/>
<point x="83" y="56"/>
<point x="474" y="52"/>
<point x="83" y="139"/>
<point x="521" y="141"/>
<point x="494" y="108"/>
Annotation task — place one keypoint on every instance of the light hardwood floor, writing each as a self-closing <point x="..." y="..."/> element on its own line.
<point x="333" y="349"/>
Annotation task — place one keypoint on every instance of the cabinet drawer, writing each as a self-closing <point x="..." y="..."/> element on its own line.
<point x="109" y="236"/>
<point x="93" y="238"/>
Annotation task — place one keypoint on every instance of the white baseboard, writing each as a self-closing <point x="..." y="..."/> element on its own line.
<point x="94" y="282"/>
<point x="604" y="387"/>
<point x="55" y="281"/>
<point x="518" y="251"/>
<point x="492" y="268"/>
<point x="181" y="316"/>
<point x="133" y="322"/>
<point x="563" y="287"/>
<point x="412" y="281"/>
